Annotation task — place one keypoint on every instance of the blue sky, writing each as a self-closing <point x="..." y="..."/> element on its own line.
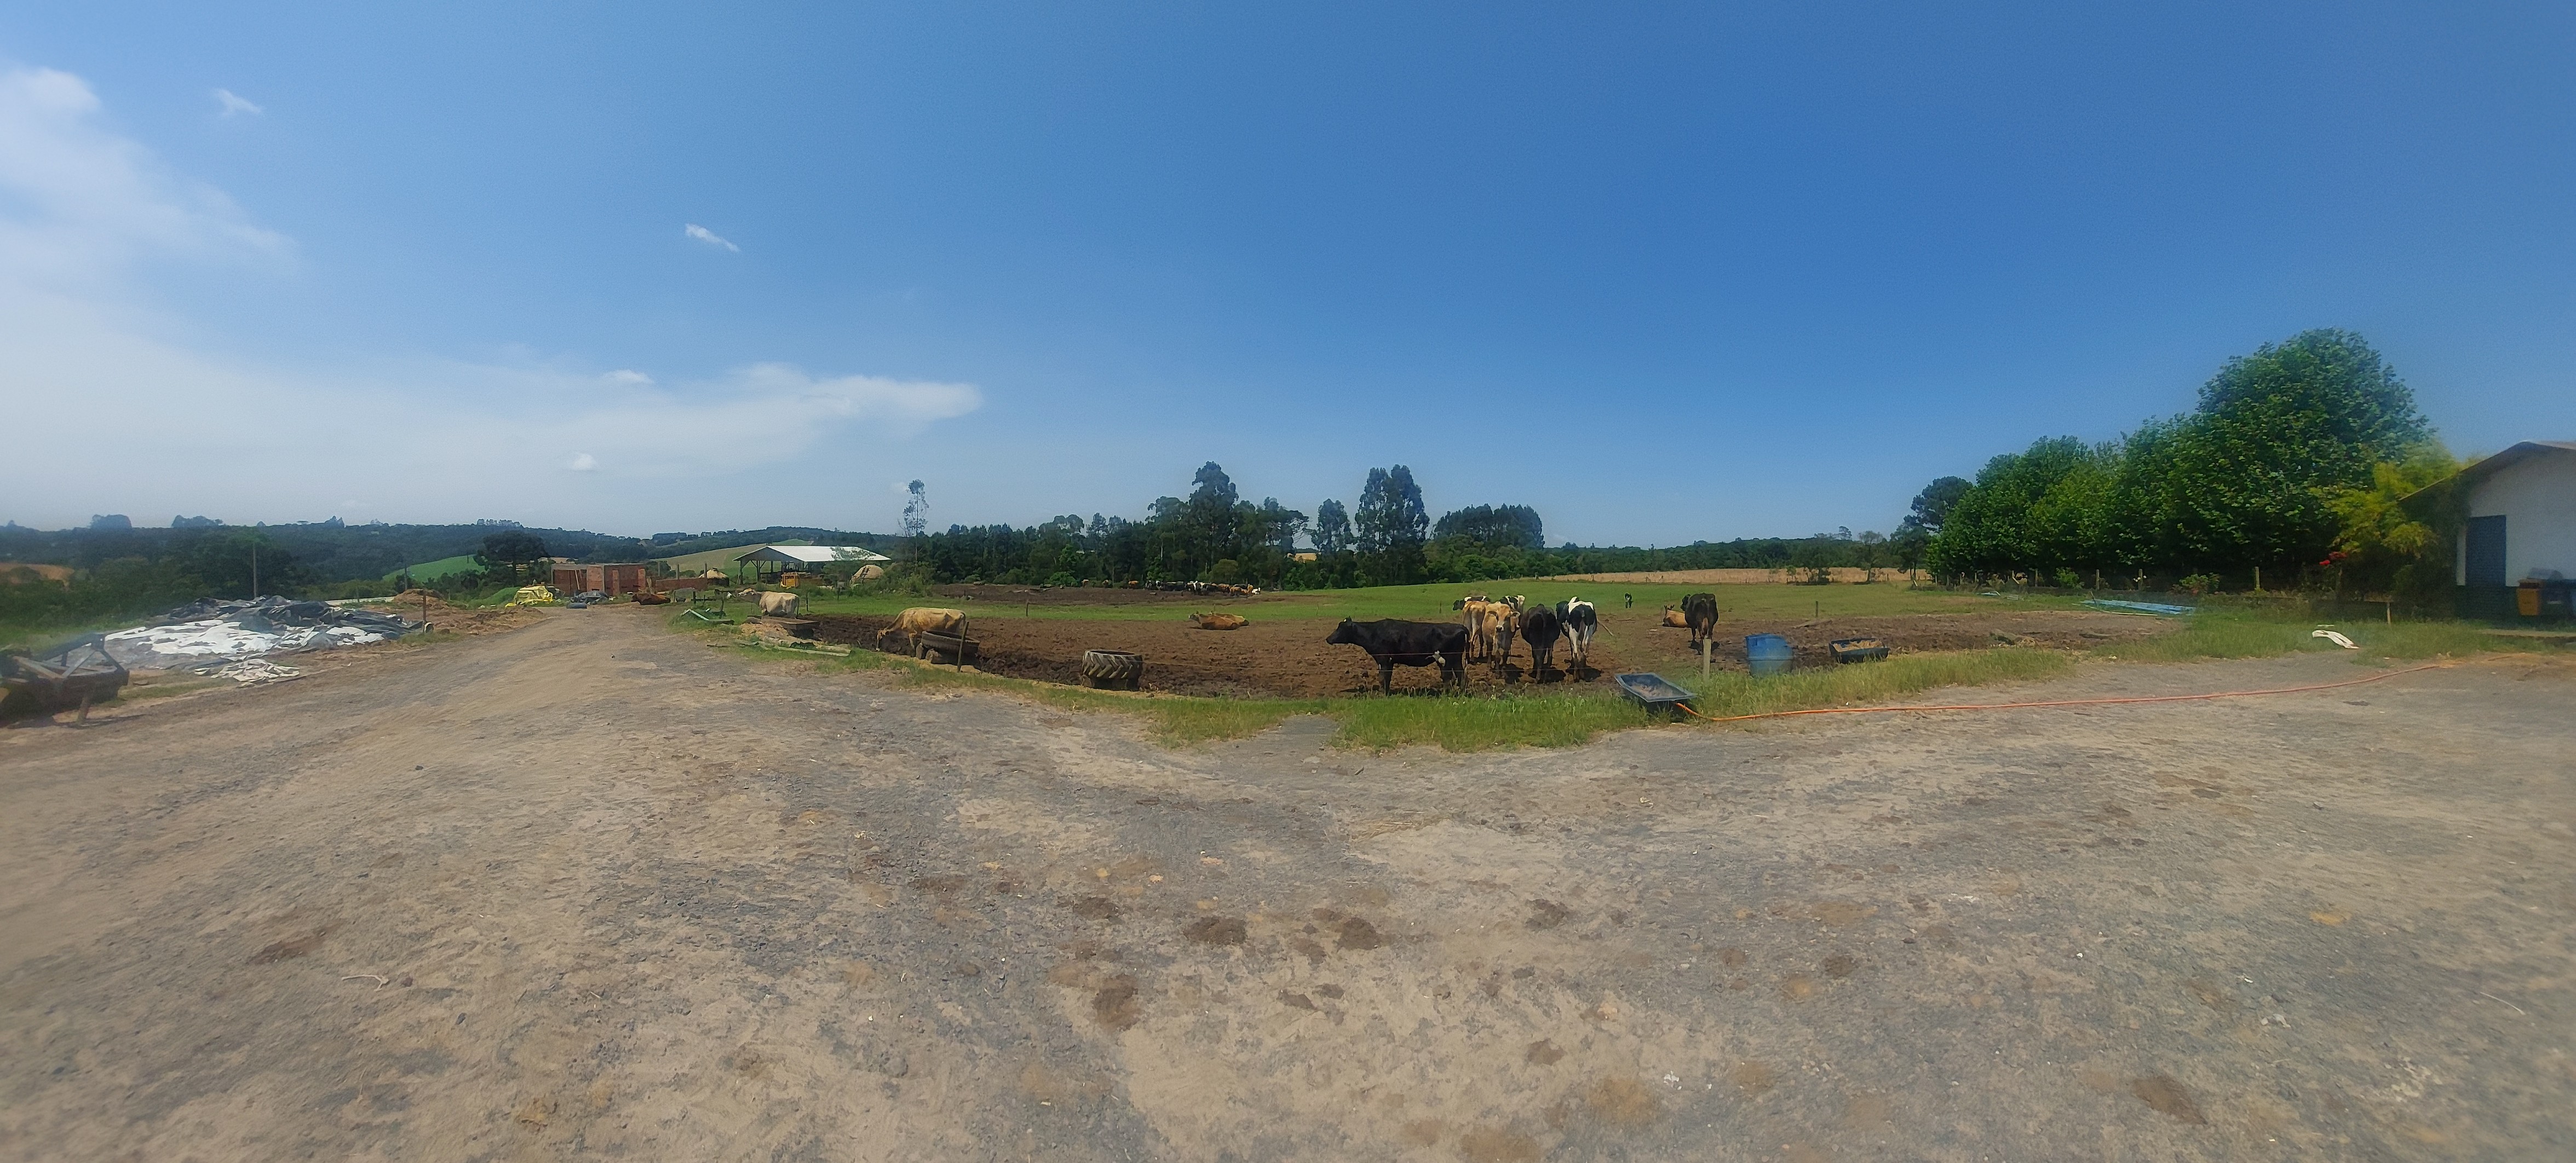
<point x="1664" y="273"/>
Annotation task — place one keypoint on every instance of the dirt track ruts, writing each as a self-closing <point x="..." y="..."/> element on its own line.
<point x="627" y="895"/>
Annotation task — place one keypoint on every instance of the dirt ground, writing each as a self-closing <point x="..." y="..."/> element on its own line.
<point x="590" y="889"/>
<point x="1286" y="656"/>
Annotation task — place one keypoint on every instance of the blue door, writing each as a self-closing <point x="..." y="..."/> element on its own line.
<point x="2486" y="553"/>
<point x="2486" y="595"/>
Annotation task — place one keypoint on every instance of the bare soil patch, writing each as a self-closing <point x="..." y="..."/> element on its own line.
<point x="1287" y="657"/>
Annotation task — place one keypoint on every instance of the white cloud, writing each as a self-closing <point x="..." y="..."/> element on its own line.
<point x="705" y="235"/>
<point x="82" y="204"/>
<point x="234" y="104"/>
<point x="88" y="357"/>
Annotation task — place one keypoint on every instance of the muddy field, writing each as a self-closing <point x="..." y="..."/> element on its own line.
<point x="1286" y="656"/>
<point x="591" y="890"/>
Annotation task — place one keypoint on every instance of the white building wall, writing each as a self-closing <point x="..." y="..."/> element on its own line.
<point x="2537" y="499"/>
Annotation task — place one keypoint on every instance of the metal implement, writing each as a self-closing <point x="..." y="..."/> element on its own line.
<point x="1653" y="691"/>
<point x="1858" y="650"/>
<point x="80" y="673"/>
<point x="953" y="649"/>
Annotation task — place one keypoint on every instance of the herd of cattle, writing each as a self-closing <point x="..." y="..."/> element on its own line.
<point x="1487" y="633"/>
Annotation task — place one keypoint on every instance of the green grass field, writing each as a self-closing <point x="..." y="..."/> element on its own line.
<point x="433" y="570"/>
<point x="2239" y="634"/>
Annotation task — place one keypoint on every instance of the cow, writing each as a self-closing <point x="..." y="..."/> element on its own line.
<point x="1393" y="641"/>
<point x="1472" y="613"/>
<point x="1581" y="623"/>
<point x="1540" y="628"/>
<point x="1699" y="612"/>
<point x="1219" y="621"/>
<point x="920" y="620"/>
<point x="1674" y="619"/>
<point x="777" y="605"/>
<point x="1490" y="630"/>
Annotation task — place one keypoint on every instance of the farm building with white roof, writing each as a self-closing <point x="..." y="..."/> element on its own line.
<point x="2517" y="550"/>
<point x="773" y="562"/>
<point x="796" y="555"/>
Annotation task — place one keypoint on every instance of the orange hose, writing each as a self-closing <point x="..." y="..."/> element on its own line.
<point x="2287" y="690"/>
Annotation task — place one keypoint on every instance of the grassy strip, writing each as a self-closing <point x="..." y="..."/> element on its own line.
<point x="2249" y="635"/>
<point x="1482" y="724"/>
<point x="42" y="636"/>
<point x="1456" y="723"/>
<point x="1738" y="693"/>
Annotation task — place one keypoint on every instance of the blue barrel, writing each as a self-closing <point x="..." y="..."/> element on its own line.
<point x="1768" y="654"/>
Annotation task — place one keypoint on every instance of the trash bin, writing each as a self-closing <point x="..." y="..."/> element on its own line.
<point x="1767" y="654"/>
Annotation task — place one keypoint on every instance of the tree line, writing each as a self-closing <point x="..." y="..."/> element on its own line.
<point x="2299" y="461"/>
<point x="1384" y="537"/>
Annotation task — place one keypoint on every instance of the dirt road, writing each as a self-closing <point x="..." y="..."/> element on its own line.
<point x="589" y="889"/>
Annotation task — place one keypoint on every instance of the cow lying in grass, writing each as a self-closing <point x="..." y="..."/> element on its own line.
<point x="772" y="604"/>
<point x="920" y="620"/>
<point x="1393" y="641"/>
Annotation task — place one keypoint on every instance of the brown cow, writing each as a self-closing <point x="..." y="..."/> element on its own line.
<point x="1493" y="630"/>
<point x="1219" y="621"/>
<point x="1673" y="619"/>
<point x="1471" y="610"/>
<point x="920" y="620"/>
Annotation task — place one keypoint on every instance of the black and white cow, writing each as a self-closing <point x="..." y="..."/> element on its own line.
<point x="1393" y="641"/>
<point x="1581" y="623"/>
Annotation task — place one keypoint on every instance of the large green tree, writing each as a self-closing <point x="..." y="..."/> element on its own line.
<point x="1494" y="526"/>
<point x="2250" y="478"/>
<point x="2254" y="470"/>
<point x="511" y="551"/>
<point x="2025" y="510"/>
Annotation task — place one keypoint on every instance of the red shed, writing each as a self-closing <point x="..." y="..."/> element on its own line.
<point x="610" y="578"/>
